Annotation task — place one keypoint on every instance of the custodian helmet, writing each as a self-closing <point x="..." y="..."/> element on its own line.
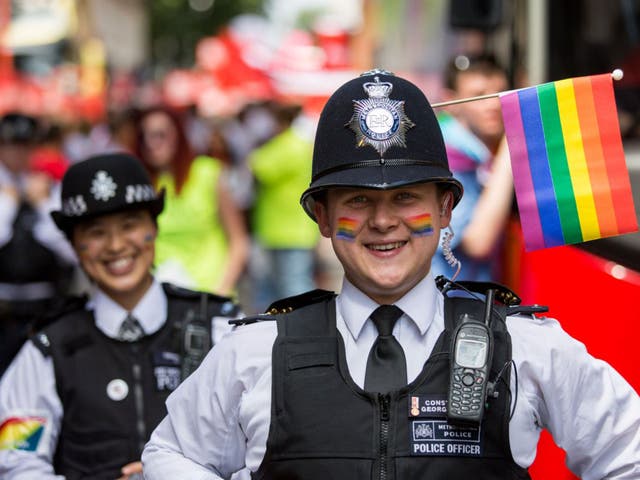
<point x="378" y="131"/>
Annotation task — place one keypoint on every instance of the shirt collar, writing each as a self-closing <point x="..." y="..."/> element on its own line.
<point x="151" y="311"/>
<point x="420" y="305"/>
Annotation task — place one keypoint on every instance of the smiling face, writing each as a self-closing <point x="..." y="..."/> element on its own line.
<point x="159" y="140"/>
<point x="117" y="251"/>
<point x="385" y="239"/>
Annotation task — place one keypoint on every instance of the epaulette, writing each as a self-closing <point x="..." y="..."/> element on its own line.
<point x="41" y="341"/>
<point x="227" y="305"/>
<point x="286" y="305"/>
<point x="503" y="294"/>
<point x="249" y="319"/>
<point x="290" y="304"/>
<point x="526" y="309"/>
<point x="60" y="307"/>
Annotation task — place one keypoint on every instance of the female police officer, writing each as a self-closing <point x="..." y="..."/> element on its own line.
<point x="82" y="397"/>
<point x="334" y="389"/>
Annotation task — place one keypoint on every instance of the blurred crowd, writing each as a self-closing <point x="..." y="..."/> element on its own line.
<point x="231" y="224"/>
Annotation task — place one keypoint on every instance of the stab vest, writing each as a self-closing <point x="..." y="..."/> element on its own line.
<point x="323" y="426"/>
<point x="113" y="393"/>
<point x="25" y="260"/>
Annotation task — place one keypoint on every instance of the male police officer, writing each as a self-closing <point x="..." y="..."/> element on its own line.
<point x="81" y="398"/>
<point x="335" y="389"/>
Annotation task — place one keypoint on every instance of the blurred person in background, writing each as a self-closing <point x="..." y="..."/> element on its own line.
<point x="82" y="396"/>
<point x="285" y="236"/>
<point x="48" y="156"/>
<point x="479" y="158"/>
<point x="203" y="242"/>
<point x="76" y="142"/>
<point x="36" y="262"/>
<point x="252" y="126"/>
<point x="122" y="130"/>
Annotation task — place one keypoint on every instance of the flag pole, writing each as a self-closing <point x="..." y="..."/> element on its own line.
<point x="617" y="74"/>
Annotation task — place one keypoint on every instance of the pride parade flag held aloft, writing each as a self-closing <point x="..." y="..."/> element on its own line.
<point x="570" y="175"/>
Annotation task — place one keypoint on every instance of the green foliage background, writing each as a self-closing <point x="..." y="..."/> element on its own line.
<point x="176" y="28"/>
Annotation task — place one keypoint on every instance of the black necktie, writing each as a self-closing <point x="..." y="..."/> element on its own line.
<point x="130" y="330"/>
<point x="386" y="366"/>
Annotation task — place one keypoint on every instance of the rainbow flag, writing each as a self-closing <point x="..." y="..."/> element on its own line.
<point x="570" y="176"/>
<point x="21" y="433"/>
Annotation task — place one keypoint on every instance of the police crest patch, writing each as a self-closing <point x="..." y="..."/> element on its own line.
<point x="166" y="369"/>
<point x="379" y="121"/>
<point x="103" y="187"/>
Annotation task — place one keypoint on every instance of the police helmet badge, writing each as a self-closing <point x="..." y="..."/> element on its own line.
<point x="103" y="187"/>
<point x="379" y="121"/>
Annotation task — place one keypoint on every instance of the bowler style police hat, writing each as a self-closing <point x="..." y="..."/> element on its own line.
<point x="105" y="184"/>
<point x="378" y="131"/>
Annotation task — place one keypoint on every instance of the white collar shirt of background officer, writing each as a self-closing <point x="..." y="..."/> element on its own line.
<point x="28" y="386"/>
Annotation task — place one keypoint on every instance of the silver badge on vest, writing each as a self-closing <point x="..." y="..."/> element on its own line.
<point x="117" y="389"/>
<point x="167" y="371"/>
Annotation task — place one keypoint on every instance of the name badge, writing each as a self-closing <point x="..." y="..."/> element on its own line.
<point x="166" y="369"/>
<point x="431" y="434"/>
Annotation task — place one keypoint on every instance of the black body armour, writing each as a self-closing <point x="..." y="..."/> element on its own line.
<point x="323" y="426"/>
<point x="113" y="393"/>
<point x="24" y="259"/>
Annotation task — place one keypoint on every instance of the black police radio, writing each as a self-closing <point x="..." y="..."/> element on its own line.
<point x="196" y="338"/>
<point x="472" y="353"/>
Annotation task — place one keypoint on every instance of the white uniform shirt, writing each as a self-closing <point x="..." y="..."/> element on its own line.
<point x="28" y="388"/>
<point x="218" y="419"/>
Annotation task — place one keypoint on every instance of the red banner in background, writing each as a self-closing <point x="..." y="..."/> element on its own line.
<point x="54" y="95"/>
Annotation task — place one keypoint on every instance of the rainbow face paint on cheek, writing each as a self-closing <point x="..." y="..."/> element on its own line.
<point x="346" y="228"/>
<point x="420" y="225"/>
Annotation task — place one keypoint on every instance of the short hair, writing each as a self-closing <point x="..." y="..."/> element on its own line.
<point x="485" y="64"/>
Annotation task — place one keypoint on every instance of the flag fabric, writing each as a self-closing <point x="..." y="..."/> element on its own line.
<point x="570" y="175"/>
